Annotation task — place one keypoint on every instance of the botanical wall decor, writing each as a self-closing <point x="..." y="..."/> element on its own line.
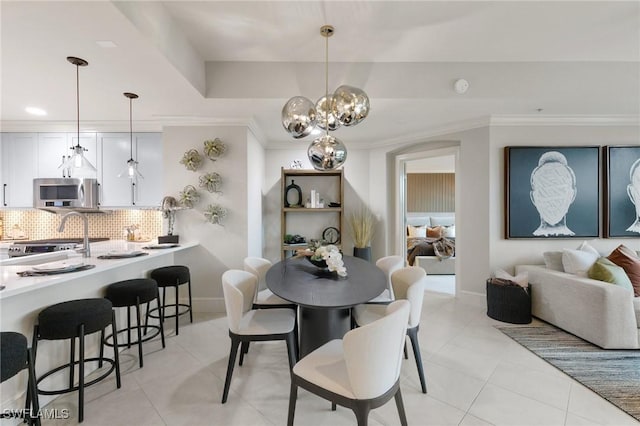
<point x="214" y="148"/>
<point x="211" y="181"/>
<point x="215" y="213"/>
<point x="552" y="192"/>
<point x="191" y="160"/>
<point x="189" y="196"/>
<point x="622" y="189"/>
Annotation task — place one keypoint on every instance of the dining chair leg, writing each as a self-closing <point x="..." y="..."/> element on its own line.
<point x="293" y="396"/>
<point x="406" y="353"/>
<point x="400" y="405"/>
<point x="291" y="350"/>
<point x="244" y="348"/>
<point x="413" y="336"/>
<point x="361" y="411"/>
<point x="334" y="406"/>
<point x="232" y="360"/>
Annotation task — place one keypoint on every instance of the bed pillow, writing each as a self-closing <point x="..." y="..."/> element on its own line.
<point x="578" y="262"/>
<point x="522" y="279"/>
<point x="417" y="231"/>
<point x="449" y="231"/>
<point x="627" y="260"/>
<point x="607" y="271"/>
<point x="553" y="260"/>
<point x="443" y="221"/>
<point x="435" y="232"/>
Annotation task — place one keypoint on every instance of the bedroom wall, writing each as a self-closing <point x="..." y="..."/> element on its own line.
<point x="506" y="254"/>
<point x="431" y="192"/>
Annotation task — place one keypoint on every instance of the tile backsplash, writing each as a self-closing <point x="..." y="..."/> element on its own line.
<point x="37" y="224"/>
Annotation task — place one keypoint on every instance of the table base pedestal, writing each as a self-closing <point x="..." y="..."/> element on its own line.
<point x="318" y="326"/>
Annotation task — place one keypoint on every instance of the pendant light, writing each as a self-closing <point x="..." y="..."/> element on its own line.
<point x="131" y="171"/>
<point x="78" y="162"/>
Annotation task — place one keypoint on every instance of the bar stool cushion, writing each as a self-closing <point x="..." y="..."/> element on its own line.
<point x="13" y="354"/>
<point x="124" y="293"/>
<point x="171" y="276"/>
<point x="61" y="321"/>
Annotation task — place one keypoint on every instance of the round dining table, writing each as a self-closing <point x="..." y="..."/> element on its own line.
<point x="324" y="298"/>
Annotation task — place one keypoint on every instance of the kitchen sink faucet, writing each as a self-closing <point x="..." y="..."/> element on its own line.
<point x="86" y="250"/>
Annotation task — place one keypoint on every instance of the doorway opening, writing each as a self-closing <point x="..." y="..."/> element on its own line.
<point x="427" y="191"/>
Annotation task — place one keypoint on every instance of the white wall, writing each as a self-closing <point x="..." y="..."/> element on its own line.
<point x="507" y="253"/>
<point x="255" y="173"/>
<point x="221" y="247"/>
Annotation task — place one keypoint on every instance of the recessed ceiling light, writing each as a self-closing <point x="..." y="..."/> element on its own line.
<point x="107" y="44"/>
<point x="35" y="110"/>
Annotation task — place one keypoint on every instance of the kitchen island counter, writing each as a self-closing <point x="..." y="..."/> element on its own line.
<point x="24" y="297"/>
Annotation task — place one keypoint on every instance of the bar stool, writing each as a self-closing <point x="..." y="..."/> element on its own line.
<point x="71" y="320"/>
<point x="15" y="356"/>
<point x="130" y="293"/>
<point x="172" y="276"/>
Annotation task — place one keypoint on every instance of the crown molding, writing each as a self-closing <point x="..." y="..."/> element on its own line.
<point x="45" y="126"/>
<point x="564" y="120"/>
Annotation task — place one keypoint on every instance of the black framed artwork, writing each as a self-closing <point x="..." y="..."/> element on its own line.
<point x="552" y="192"/>
<point x="622" y="191"/>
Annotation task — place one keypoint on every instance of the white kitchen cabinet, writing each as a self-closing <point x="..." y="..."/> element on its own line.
<point x="54" y="148"/>
<point x="124" y="192"/>
<point x="19" y="167"/>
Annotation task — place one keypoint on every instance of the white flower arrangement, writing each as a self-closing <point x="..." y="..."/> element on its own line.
<point x="332" y="256"/>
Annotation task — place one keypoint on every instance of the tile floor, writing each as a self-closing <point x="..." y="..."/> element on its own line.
<point x="475" y="376"/>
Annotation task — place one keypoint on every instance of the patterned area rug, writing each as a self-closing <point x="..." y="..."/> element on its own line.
<point x="612" y="374"/>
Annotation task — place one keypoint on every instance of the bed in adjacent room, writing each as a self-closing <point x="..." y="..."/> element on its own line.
<point x="431" y="242"/>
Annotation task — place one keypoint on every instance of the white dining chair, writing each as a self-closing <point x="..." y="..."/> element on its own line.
<point x="264" y="298"/>
<point x="250" y="325"/>
<point x="408" y="284"/>
<point x="360" y="371"/>
<point x="388" y="264"/>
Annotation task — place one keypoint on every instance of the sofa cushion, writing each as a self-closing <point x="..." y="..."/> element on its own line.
<point x="585" y="246"/>
<point x="578" y="262"/>
<point x="607" y="271"/>
<point x="627" y="260"/>
<point x="553" y="260"/>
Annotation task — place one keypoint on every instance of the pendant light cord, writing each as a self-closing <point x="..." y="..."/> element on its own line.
<point x="326" y="84"/>
<point x="78" y="102"/>
<point x="130" y="129"/>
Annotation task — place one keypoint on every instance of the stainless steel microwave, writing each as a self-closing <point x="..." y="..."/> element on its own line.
<point x="61" y="194"/>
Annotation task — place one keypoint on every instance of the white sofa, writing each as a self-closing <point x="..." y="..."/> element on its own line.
<point x="601" y="313"/>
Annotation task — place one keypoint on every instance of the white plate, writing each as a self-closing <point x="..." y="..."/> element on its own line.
<point x="125" y="253"/>
<point x="58" y="266"/>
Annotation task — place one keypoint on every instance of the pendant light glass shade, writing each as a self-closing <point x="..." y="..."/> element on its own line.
<point x="131" y="171"/>
<point x="77" y="163"/>
<point x="347" y="106"/>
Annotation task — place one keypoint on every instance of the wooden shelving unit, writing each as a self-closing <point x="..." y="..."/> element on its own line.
<point x="310" y="222"/>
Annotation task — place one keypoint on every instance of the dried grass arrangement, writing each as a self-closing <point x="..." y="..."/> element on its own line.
<point x="361" y="223"/>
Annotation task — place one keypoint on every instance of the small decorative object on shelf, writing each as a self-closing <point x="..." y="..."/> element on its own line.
<point x="189" y="196"/>
<point x="294" y="239"/>
<point x="211" y="181"/>
<point x="331" y="235"/>
<point x="215" y="213"/>
<point x="296" y="200"/>
<point x="192" y="160"/>
<point x="214" y="148"/>
<point x="296" y="164"/>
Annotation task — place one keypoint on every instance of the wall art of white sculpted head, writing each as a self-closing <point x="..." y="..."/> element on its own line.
<point x="553" y="189"/>
<point x="633" y="190"/>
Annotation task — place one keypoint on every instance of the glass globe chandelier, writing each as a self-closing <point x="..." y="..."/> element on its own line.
<point x="347" y="106"/>
<point x="131" y="171"/>
<point x="78" y="162"/>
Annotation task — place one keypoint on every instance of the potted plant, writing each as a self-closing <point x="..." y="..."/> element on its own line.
<point x="361" y="224"/>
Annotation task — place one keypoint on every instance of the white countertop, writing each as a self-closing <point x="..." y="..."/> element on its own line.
<point x="15" y="284"/>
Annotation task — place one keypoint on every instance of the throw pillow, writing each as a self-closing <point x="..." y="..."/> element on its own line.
<point x="627" y="260"/>
<point x="578" y="262"/>
<point x="607" y="271"/>
<point x="449" y="231"/>
<point x="417" y="231"/>
<point x="522" y="279"/>
<point x="435" y="232"/>
<point x="553" y="260"/>
<point x="585" y="246"/>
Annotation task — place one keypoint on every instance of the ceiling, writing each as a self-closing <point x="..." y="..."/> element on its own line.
<point x="238" y="62"/>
